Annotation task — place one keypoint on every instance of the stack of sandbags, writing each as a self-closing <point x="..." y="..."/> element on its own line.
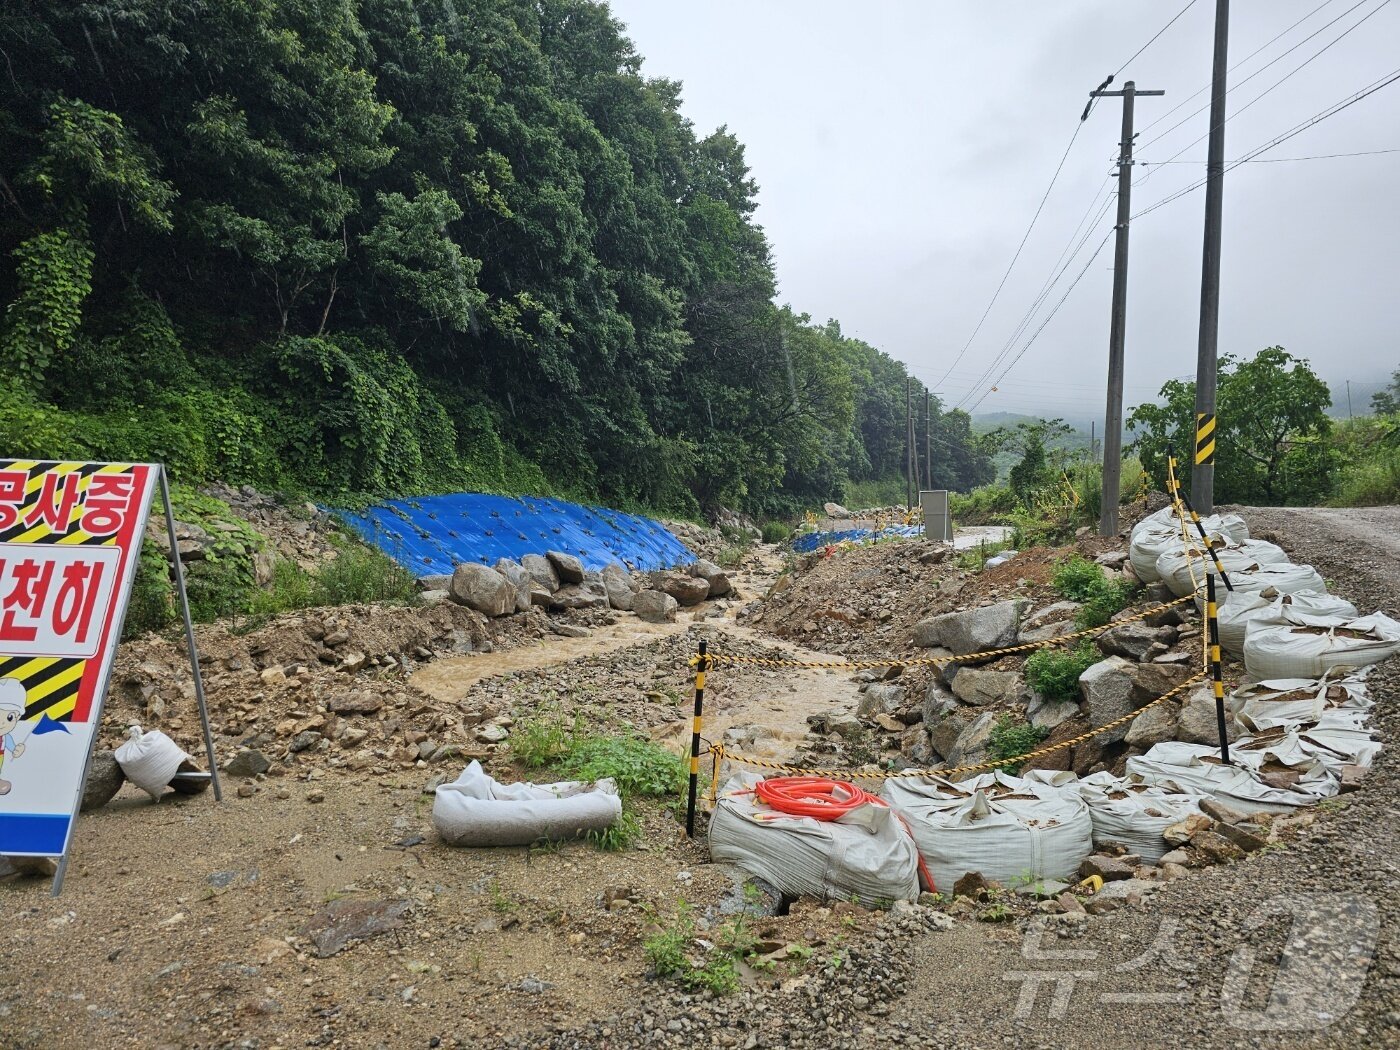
<point x="1294" y="644"/>
<point x="1004" y="827"/>
<point x="1288" y="701"/>
<point x="1336" y="738"/>
<point x="866" y="853"/>
<point x="1236" y="609"/>
<point x="1159" y="533"/>
<point x="1134" y="813"/>
<point x="1183" y="568"/>
<point x="1277" y="779"/>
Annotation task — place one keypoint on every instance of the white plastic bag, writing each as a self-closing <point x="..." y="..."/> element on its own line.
<point x="1296" y="645"/>
<point x="1130" y="811"/>
<point x="866" y="853"/>
<point x="1281" y="780"/>
<point x="477" y="810"/>
<point x="1277" y="578"/>
<point x="1184" y="568"/>
<point x="1289" y="701"/>
<point x="1238" y="608"/>
<point x="1007" y="828"/>
<point x="1161" y="532"/>
<point x="150" y="760"/>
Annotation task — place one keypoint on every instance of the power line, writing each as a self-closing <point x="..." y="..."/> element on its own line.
<point x="1297" y="129"/>
<point x="1154" y="38"/>
<point x="1285" y="160"/>
<point x="1263" y="47"/>
<point x="1024" y="237"/>
<point x="1296" y="69"/>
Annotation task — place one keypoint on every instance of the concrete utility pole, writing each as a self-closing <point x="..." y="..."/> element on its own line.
<point x="908" y="443"/>
<point x="1203" y="460"/>
<point x="1113" y="415"/>
<point x="928" y="438"/>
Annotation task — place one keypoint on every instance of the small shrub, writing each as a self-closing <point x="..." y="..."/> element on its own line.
<point x="152" y="605"/>
<point x="1010" y="738"/>
<point x="776" y="532"/>
<point x="732" y="556"/>
<point x="1077" y="578"/>
<point x="1106" y="602"/>
<point x="362" y="574"/>
<point x="1055" y="672"/>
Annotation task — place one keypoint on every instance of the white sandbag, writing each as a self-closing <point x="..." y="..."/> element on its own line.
<point x="1277" y="782"/>
<point x="1134" y="813"/>
<point x="1296" y="645"/>
<point x="1289" y="701"/>
<point x="477" y="810"/>
<point x="866" y="853"/>
<point x="1278" y="578"/>
<point x="1184" y="568"/>
<point x="1148" y="545"/>
<point x="150" y="760"/>
<point x="1337" y="738"/>
<point x="1238" y="608"/>
<point x="1231" y="526"/>
<point x="1005" y="827"/>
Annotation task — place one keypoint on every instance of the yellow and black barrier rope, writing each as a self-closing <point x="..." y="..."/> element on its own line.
<point x="1181" y="502"/>
<point x="721" y="753"/>
<point x="728" y="659"/>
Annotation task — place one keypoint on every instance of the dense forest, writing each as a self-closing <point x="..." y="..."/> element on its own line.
<point x="363" y="247"/>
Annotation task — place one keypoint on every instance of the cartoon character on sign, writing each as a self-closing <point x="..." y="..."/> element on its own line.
<point x="11" y="711"/>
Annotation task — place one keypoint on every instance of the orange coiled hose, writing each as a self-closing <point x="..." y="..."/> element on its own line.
<point x="824" y="799"/>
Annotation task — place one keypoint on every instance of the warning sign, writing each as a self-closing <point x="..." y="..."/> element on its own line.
<point x="70" y="537"/>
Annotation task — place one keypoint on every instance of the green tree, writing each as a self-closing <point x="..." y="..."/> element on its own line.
<point x="1271" y="430"/>
<point x="1386" y="401"/>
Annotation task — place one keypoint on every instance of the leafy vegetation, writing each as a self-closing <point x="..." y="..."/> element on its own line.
<point x="776" y="532"/>
<point x="1010" y="738"/>
<point x="1080" y="580"/>
<point x="1055" y="672"/>
<point x="367" y="247"/>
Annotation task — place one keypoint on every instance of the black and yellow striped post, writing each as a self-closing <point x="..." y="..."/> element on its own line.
<point x="702" y="663"/>
<point x="1205" y="439"/>
<point x="1217" y="681"/>
<point x="1183" y="503"/>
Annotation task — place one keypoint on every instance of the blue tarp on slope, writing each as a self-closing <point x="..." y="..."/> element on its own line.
<point x="431" y="534"/>
<point x="810" y="541"/>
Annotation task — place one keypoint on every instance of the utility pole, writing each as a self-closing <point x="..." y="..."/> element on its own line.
<point x="1093" y="443"/>
<point x="928" y="438"/>
<point x="1203" y="461"/>
<point x="908" y="443"/>
<point x="1349" y="416"/>
<point x="1113" y="415"/>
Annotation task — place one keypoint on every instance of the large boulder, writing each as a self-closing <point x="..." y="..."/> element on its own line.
<point x="1196" y="723"/>
<point x="880" y="700"/>
<point x="973" y="742"/>
<point x="568" y="568"/>
<point x="835" y="510"/>
<point x="618" y="585"/>
<point x="519" y="579"/>
<point x="688" y="590"/>
<point x="973" y="685"/>
<point x="715" y="577"/>
<point x="1108" y="691"/>
<point x="655" y="607"/>
<point x="104" y="780"/>
<point x="973" y="630"/>
<point x="541" y="571"/>
<point x="482" y="588"/>
<point x="937" y="702"/>
<point x="1044" y="713"/>
<point x="1131" y="640"/>
<point x="590" y="593"/>
<point x="1153" y="726"/>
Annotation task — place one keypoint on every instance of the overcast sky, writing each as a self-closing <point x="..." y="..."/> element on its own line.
<point x="902" y="146"/>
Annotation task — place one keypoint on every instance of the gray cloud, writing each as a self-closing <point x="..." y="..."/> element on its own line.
<point x="902" y="148"/>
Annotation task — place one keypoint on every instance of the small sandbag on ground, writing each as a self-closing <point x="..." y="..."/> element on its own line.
<point x="1276" y="780"/>
<point x="150" y="760"/>
<point x="477" y="810"/>
<point x="1134" y="813"/>
<point x="1289" y="701"/>
<point x="1238" y="608"/>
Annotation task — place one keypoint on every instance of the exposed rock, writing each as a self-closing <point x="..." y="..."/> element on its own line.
<point x="880" y="699"/>
<point x="519" y="579"/>
<point x="1196" y="724"/>
<point x="936" y="556"/>
<point x="835" y="510"/>
<point x="1116" y="894"/>
<point x="1057" y="612"/>
<point x="1110" y="869"/>
<point x="1112" y="559"/>
<point x="1107" y="688"/>
<point x="358" y="703"/>
<point x="341" y="921"/>
<point x="1151" y="680"/>
<point x="1131" y="640"/>
<point x="618" y="586"/>
<point x="483" y="589"/>
<point x="248" y="763"/>
<point x="1044" y="713"/>
<point x="974" y="685"/>
<point x="974" y="630"/>
<point x="491" y="734"/>
<point x="569" y="630"/>
<point x="1153" y="726"/>
<point x="937" y="702"/>
<point x="889" y="723"/>
<point x="972" y="885"/>
<point x="1221" y="812"/>
<point x="541" y="571"/>
<point x="688" y="590"/>
<point x="971" y="744"/>
<point x="566" y="566"/>
<point x="1059" y="759"/>
<point x="1048" y="633"/>
<point x="1246" y="836"/>
<point x="1215" y="847"/>
<point x="104" y="780"/>
<point x="434" y="582"/>
<point x="1182" y="832"/>
<point x="655" y="607"/>
<point x="714" y="576"/>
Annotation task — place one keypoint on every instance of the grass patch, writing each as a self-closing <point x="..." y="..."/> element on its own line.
<point x="672" y="952"/>
<point x="1055" y="672"/>
<point x="639" y="766"/>
<point x="776" y="532"/>
<point x="1009" y="738"/>
<point x="1101" y="598"/>
<point x="356" y="575"/>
